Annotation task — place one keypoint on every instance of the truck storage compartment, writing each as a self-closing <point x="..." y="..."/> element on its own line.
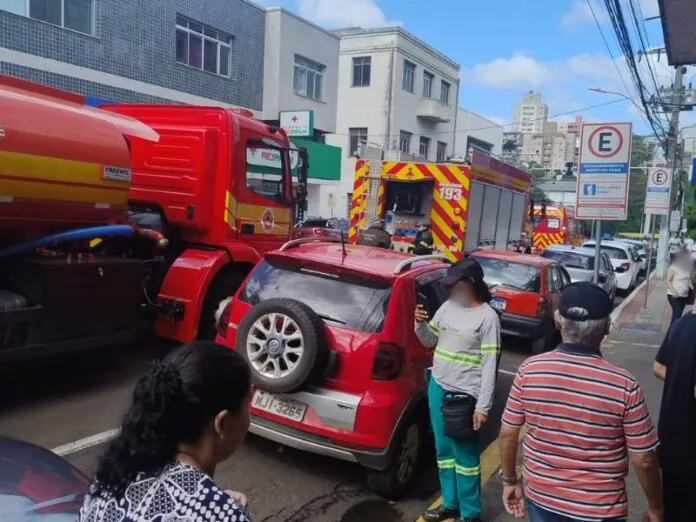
<point x="78" y="298"/>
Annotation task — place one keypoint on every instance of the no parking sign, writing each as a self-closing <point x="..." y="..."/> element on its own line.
<point x="605" y="161"/>
<point x="658" y="191"/>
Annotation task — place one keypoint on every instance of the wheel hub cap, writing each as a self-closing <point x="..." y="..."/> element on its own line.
<point x="274" y="347"/>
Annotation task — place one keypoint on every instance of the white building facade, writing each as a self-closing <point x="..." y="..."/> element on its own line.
<point x="394" y="91"/>
<point x="530" y="114"/>
<point x="475" y="131"/>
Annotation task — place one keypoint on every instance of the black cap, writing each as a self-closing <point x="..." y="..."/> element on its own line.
<point x="465" y="270"/>
<point x="583" y="301"/>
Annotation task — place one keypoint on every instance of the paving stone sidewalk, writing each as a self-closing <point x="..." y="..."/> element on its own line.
<point x="635" y="338"/>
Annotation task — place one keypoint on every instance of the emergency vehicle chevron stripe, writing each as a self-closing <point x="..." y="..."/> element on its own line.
<point x="359" y="201"/>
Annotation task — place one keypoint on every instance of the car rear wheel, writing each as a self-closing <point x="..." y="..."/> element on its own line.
<point x="546" y="343"/>
<point x="394" y="481"/>
<point x="284" y="342"/>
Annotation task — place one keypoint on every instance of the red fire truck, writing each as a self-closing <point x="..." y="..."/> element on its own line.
<point x="555" y="225"/>
<point x="110" y="214"/>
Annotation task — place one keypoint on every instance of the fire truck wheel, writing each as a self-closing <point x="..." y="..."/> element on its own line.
<point x="284" y="342"/>
<point x="221" y="290"/>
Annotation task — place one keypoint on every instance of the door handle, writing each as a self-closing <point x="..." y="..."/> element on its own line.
<point x="247" y="228"/>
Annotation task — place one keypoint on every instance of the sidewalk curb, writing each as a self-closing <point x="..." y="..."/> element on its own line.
<point x="617" y="311"/>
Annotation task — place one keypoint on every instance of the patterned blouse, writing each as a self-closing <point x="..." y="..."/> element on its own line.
<point x="179" y="493"/>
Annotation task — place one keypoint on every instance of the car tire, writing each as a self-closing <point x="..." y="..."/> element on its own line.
<point x="546" y="343"/>
<point x="301" y="331"/>
<point x="392" y="483"/>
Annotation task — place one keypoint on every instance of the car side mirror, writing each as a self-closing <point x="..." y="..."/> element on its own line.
<point x="602" y="278"/>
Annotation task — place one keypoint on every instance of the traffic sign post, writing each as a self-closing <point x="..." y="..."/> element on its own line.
<point x="658" y="192"/>
<point x="603" y="175"/>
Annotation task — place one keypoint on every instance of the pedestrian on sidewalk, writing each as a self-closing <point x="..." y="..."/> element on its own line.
<point x="461" y="385"/>
<point x="675" y="364"/>
<point x="584" y="418"/>
<point x="679" y="283"/>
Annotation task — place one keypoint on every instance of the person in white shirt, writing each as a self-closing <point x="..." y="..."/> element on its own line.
<point x="679" y="283"/>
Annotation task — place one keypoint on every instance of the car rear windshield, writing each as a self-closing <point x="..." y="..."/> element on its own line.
<point x="511" y="274"/>
<point x="347" y="302"/>
<point x="612" y="252"/>
<point x="315" y="223"/>
<point x="570" y="259"/>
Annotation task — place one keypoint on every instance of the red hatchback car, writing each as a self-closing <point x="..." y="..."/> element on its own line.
<point x="337" y="369"/>
<point x="526" y="289"/>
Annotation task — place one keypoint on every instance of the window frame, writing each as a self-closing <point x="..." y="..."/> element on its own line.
<point x="26" y="12"/>
<point x="443" y="158"/>
<point x="424" y="140"/>
<point x="445" y="87"/>
<point x="429" y="81"/>
<point x="312" y="67"/>
<point x="366" y="65"/>
<point x="409" y="70"/>
<point x="183" y="25"/>
<point x="358" y="135"/>
<point x="405" y="137"/>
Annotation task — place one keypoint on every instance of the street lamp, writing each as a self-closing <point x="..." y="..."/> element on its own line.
<point x="604" y="91"/>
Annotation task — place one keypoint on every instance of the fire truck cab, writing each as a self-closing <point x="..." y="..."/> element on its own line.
<point x="554" y="225"/>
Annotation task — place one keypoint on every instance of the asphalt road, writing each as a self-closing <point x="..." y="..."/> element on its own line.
<point x="59" y="401"/>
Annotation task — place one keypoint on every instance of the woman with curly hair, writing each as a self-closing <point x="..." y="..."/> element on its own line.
<point x="189" y="413"/>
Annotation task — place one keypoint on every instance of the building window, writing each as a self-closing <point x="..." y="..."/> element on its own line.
<point x="362" y="67"/>
<point x="308" y="80"/>
<point x="203" y="47"/>
<point x="358" y="136"/>
<point x="441" y="152"/>
<point x="405" y="142"/>
<point x="424" y="147"/>
<point x="428" y="80"/>
<point x="77" y="15"/>
<point x="409" y="78"/>
<point x="444" y="92"/>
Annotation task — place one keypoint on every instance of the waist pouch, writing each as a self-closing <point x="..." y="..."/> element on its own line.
<point x="458" y="415"/>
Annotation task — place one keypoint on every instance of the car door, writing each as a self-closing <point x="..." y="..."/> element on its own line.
<point x="608" y="269"/>
<point x="554" y="286"/>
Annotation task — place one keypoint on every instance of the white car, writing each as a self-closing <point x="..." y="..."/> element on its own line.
<point x="642" y="252"/>
<point x="624" y="259"/>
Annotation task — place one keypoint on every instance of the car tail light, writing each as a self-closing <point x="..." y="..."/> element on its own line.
<point x="542" y="307"/>
<point x="318" y="232"/>
<point x="623" y="267"/>
<point x="388" y="363"/>
<point x="222" y="321"/>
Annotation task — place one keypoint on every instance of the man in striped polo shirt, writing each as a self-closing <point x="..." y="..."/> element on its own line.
<point x="584" y="418"/>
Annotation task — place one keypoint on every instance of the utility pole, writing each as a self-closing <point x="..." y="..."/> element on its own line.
<point x="674" y="95"/>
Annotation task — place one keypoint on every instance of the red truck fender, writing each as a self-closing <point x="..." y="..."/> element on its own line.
<point x="188" y="281"/>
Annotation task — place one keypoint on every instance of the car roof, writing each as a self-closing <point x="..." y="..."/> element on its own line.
<point x="616" y="244"/>
<point x="370" y="260"/>
<point x="569" y="248"/>
<point x="516" y="257"/>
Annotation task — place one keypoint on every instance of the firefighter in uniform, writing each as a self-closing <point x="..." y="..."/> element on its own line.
<point x="423" y="242"/>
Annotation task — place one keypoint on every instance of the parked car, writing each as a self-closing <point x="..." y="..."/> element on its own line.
<point x="320" y="227"/>
<point x="640" y="249"/>
<point x="37" y="485"/>
<point x="625" y="261"/>
<point x="580" y="264"/>
<point x="337" y="370"/>
<point x="526" y="289"/>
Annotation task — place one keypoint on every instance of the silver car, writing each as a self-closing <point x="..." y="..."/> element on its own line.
<point x="579" y="262"/>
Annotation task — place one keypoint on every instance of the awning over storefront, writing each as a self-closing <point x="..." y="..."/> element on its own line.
<point x="679" y="27"/>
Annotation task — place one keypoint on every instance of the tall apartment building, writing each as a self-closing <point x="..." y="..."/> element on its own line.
<point x="549" y="148"/>
<point x="156" y="51"/>
<point x="530" y="114"/>
<point x="395" y="91"/>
